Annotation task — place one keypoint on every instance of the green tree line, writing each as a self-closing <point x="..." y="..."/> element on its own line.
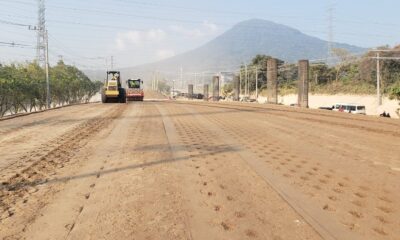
<point x="23" y="87"/>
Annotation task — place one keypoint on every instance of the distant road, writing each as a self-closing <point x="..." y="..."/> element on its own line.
<point x="198" y="170"/>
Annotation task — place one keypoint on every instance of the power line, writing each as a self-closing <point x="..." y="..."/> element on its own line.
<point x="17" y="46"/>
<point x="14" y="23"/>
<point x="219" y="12"/>
<point x="248" y="27"/>
<point x="101" y="12"/>
<point x="182" y="21"/>
<point x="14" y="44"/>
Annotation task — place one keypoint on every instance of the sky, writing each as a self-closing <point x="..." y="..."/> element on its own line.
<point x="88" y="33"/>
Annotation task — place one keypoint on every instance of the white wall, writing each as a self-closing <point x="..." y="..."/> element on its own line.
<point x="323" y="100"/>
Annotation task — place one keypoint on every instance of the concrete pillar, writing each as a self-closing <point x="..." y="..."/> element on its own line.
<point x="215" y="88"/>
<point x="236" y="88"/>
<point x="205" y="97"/>
<point x="303" y="83"/>
<point x="190" y="91"/>
<point x="272" y="80"/>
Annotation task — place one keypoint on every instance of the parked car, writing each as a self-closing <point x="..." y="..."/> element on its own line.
<point x="326" y="108"/>
<point x="175" y="94"/>
<point x="197" y="96"/>
<point x="349" y="108"/>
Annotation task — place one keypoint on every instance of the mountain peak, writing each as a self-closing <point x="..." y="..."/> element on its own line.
<point x="247" y="39"/>
<point x="261" y="28"/>
<point x="256" y="21"/>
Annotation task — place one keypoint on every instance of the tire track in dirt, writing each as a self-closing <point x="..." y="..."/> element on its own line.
<point x="350" y="122"/>
<point x="24" y="124"/>
<point x="321" y="222"/>
<point x="347" y="198"/>
<point x="19" y="184"/>
<point x="33" y="135"/>
<point x="66" y="195"/>
<point x="138" y="194"/>
<point x="228" y="199"/>
<point x="329" y="137"/>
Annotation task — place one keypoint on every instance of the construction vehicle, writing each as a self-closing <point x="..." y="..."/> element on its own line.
<point x="112" y="90"/>
<point x="134" y="90"/>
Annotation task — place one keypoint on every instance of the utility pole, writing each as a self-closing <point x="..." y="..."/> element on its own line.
<point x="112" y="62"/>
<point x="378" y="69"/>
<point x="378" y="79"/>
<point x="256" y="83"/>
<point x="48" y="100"/>
<point x="195" y="81"/>
<point x="153" y="81"/>
<point x="240" y="81"/>
<point x="181" y="77"/>
<point x="245" y="81"/>
<point x="157" y="81"/>
<point x="173" y="89"/>
<point x="220" y="84"/>
<point x="248" y="84"/>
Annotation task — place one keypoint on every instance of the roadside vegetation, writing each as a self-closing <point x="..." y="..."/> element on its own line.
<point x="163" y="87"/>
<point x="350" y="75"/>
<point x="23" y="87"/>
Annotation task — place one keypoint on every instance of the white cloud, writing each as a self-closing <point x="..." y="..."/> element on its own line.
<point x="123" y="40"/>
<point x="165" y="53"/>
<point x="211" y="26"/>
<point x="207" y="28"/>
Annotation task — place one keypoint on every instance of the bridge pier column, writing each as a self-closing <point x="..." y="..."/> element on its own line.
<point x="205" y="94"/>
<point x="303" y="84"/>
<point x="236" y="88"/>
<point x="190" y="91"/>
<point x="215" y="88"/>
<point x="272" y="81"/>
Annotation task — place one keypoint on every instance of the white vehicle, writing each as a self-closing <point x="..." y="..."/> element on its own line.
<point x="175" y="93"/>
<point x="349" y="108"/>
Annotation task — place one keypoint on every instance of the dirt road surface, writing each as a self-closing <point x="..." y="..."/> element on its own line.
<point x="163" y="169"/>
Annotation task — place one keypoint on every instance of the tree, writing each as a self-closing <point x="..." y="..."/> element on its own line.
<point x="163" y="86"/>
<point x="23" y="87"/>
<point x="344" y="58"/>
<point x="227" y="89"/>
<point x="394" y="93"/>
<point x="259" y="62"/>
<point x="321" y="73"/>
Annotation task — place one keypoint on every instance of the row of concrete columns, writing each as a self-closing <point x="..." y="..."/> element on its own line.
<point x="272" y="84"/>
<point x="215" y="90"/>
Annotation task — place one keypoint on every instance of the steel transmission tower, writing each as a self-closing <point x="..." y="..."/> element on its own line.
<point x="42" y="48"/>
<point x="41" y="34"/>
<point x="330" y="32"/>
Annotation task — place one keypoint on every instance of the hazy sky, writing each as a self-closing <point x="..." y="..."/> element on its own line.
<point x="85" y="33"/>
